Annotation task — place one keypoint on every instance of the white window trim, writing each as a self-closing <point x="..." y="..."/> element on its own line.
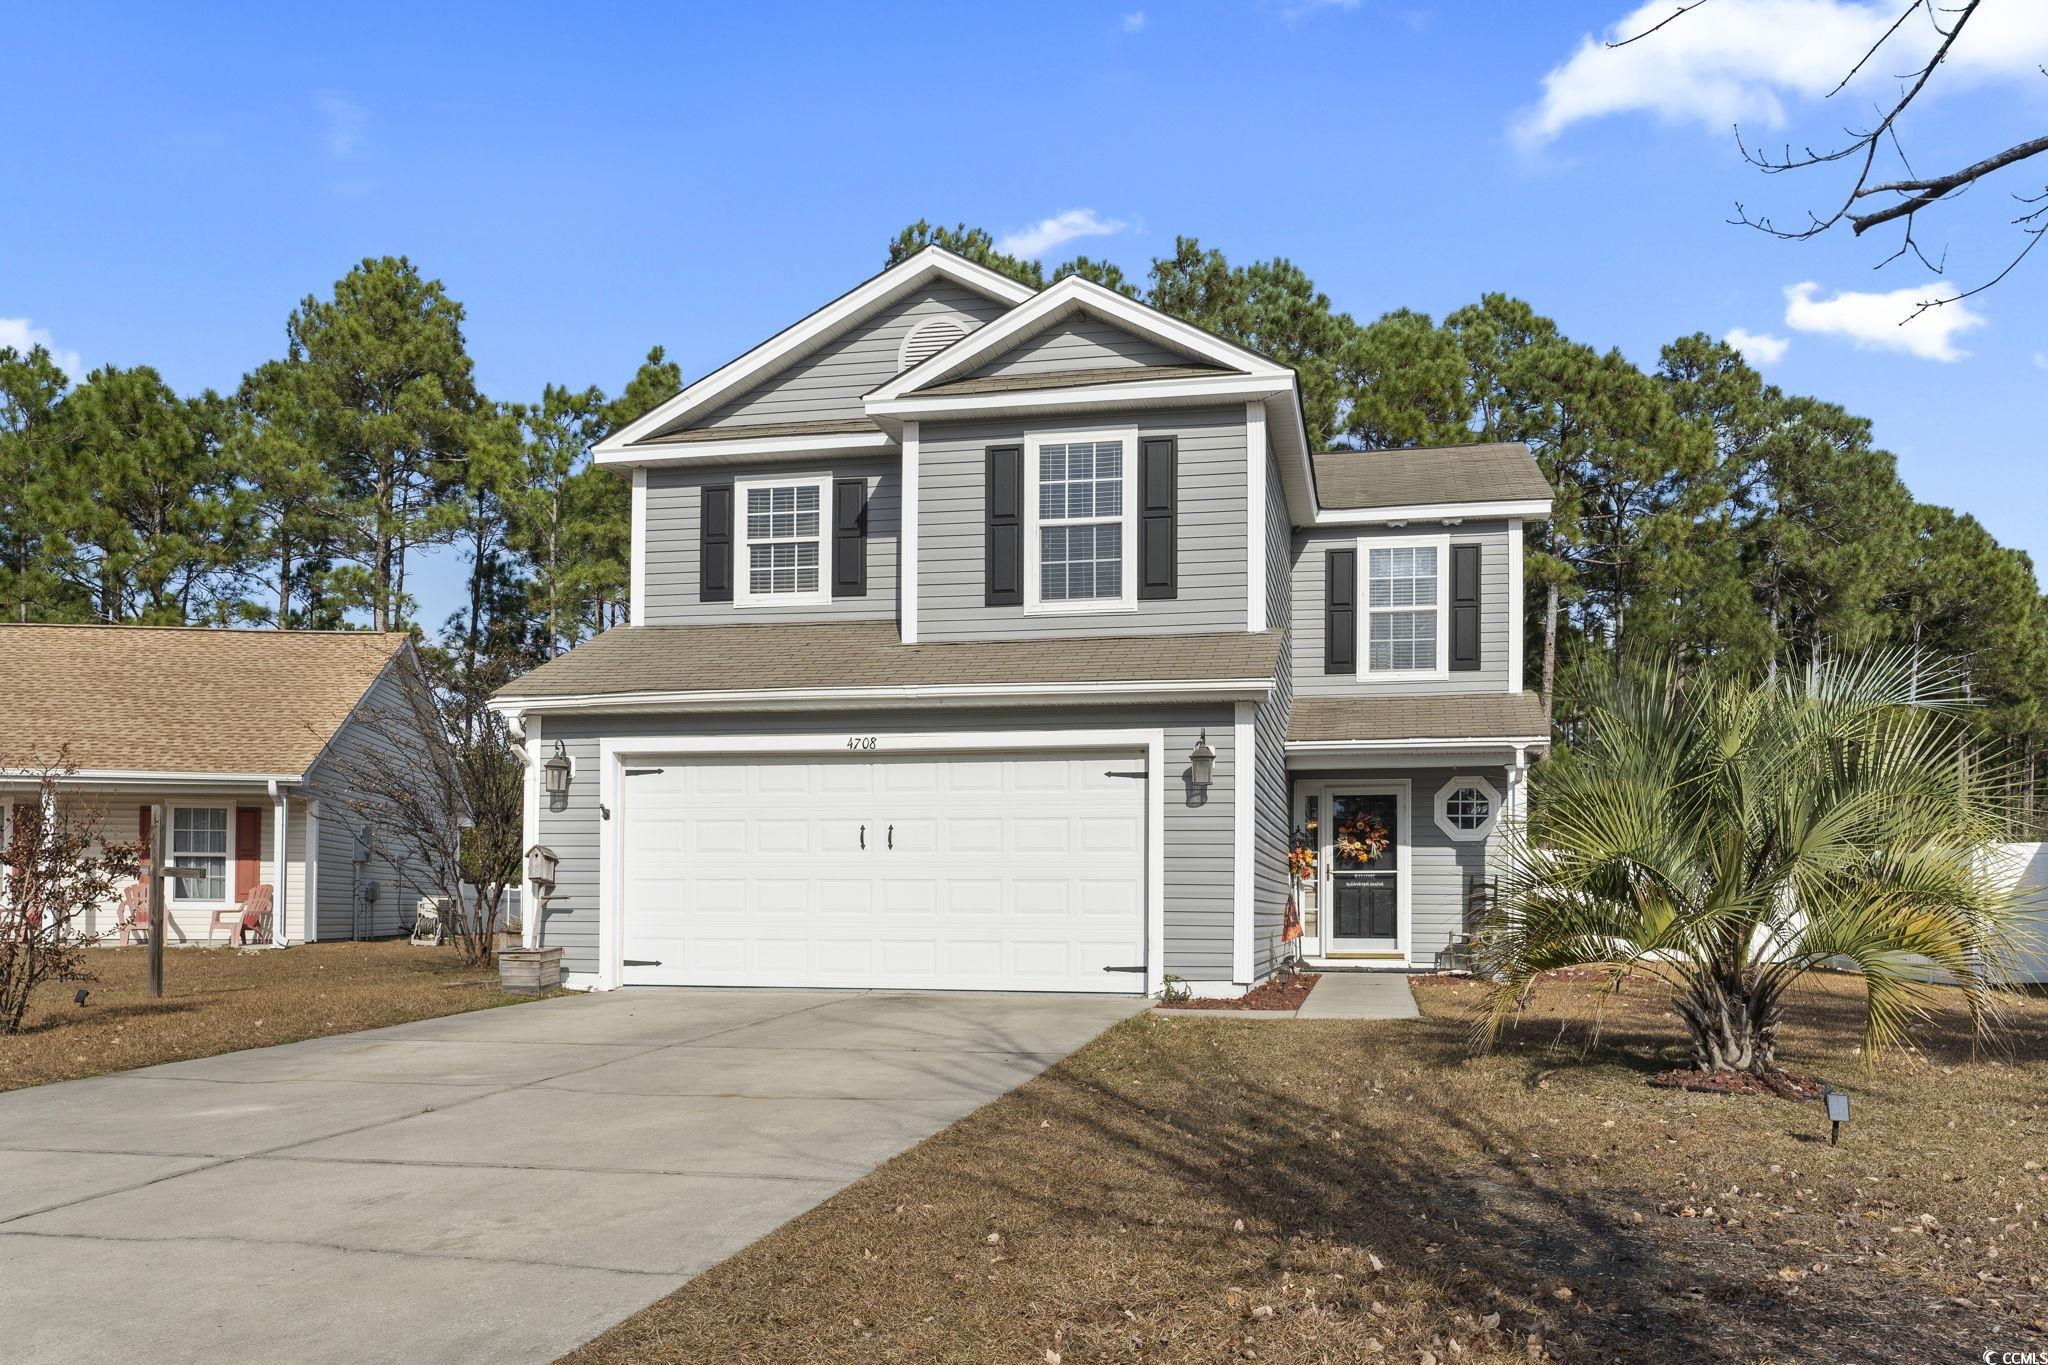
<point x="227" y="880"/>
<point x="743" y="595"/>
<point x="1366" y="611"/>
<point x="1128" y="601"/>
<point x="1443" y="815"/>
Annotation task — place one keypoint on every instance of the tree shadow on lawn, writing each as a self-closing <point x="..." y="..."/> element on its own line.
<point x="1421" y="1182"/>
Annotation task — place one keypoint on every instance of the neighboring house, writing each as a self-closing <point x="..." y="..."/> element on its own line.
<point x="245" y="737"/>
<point x="941" y="598"/>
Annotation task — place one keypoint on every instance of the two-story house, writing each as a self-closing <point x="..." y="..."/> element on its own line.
<point x="994" y="638"/>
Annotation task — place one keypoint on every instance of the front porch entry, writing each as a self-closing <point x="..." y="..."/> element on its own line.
<point x="1360" y="902"/>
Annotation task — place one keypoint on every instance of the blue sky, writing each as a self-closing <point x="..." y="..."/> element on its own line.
<point x="592" y="181"/>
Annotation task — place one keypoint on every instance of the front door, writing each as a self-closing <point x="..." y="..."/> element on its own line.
<point x="1363" y="855"/>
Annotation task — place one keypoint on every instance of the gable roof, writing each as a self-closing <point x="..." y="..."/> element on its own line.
<point x="1429" y="476"/>
<point x="1055" y="304"/>
<point x="794" y="342"/>
<point x="759" y="660"/>
<point x="173" y="699"/>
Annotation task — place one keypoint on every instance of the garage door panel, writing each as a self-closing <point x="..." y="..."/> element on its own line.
<point x="1004" y="873"/>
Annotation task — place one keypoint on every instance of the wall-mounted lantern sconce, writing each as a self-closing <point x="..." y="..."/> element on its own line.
<point x="556" y="770"/>
<point x="1203" y="761"/>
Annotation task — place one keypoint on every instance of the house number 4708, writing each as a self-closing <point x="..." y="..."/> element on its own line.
<point x="860" y="741"/>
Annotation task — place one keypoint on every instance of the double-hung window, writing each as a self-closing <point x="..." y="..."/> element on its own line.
<point x="200" y="839"/>
<point x="1403" y="621"/>
<point x="782" y="542"/>
<point x="1081" y="545"/>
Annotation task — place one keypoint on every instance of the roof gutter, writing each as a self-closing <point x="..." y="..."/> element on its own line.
<point x="1526" y="508"/>
<point x="115" y="777"/>
<point x="1355" y="746"/>
<point x="754" y="699"/>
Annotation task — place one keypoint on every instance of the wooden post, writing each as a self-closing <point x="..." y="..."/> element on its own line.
<point x="157" y="927"/>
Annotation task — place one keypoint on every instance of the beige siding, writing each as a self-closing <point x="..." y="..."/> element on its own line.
<point x="952" y="478"/>
<point x="116" y="818"/>
<point x="829" y="383"/>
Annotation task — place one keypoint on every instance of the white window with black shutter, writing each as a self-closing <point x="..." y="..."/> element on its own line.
<point x="1080" y="540"/>
<point x="1403" y="626"/>
<point x="780" y="529"/>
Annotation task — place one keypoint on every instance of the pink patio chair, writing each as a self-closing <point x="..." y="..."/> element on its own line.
<point x="133" y="916"/>
<point x="255" y="913"/>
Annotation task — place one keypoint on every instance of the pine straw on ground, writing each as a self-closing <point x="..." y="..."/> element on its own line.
<point x="1187" y="1189"/>
<point x="224" y="999"/>
<point x="1272" y="994"/>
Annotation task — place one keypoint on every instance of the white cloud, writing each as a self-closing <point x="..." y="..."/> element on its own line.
<point x="2041" y="360"/>
<point x="1134" y="22"/>
<point x="1884" y="322"/>
<point x="1050" y="234"/>
<point x="1744" y="61"/>
<point x="1758" y="348"/>
<point x="21" y="335"/>
<point x="347" y="124"/>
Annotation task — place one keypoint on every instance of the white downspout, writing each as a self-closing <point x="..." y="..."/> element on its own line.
<point x="280" y="829"/>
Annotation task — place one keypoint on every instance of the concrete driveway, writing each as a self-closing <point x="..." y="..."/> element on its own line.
<point x="493" y="1186"/>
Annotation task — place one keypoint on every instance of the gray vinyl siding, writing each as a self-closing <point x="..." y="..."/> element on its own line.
<point x="1197" y="837"/>
<point x="1440" y="869"/>
<point x="1274" y="828"/>
<point x="1080" y="342"/>
<point x="1441" y="866"/>
<point x="952" y="477"/>
<point x="673" y="514"/>
<point x="341" y="911"/>
<point x="1307" y="645"/>
<point x="828" y="383"/>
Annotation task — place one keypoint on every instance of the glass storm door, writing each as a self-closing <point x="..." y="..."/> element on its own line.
<point x="1363" y="912"/>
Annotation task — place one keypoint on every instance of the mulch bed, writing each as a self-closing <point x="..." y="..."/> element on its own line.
<point x="1273" y="994"/>
<point x="1784" y="1084"/>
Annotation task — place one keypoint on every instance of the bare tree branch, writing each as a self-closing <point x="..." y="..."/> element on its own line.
<point x="1678" y="13"/>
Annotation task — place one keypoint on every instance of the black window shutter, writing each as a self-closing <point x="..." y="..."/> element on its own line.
<point x="714" y="543"/>
<point x="1004" y="541"/>
<point x="1464" y="608"/>
<point x="1340" y="611"/>
<point x="850" y="537"/>
<point x="1158" y="490"/>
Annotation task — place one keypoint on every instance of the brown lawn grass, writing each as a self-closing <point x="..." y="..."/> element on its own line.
<point x="221" y="1000"/>
<point x="1187" y="1189"/>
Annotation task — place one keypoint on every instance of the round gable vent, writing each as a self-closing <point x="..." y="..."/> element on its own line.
<point x="927" y="339"/>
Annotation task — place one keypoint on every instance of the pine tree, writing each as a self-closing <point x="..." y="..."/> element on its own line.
<point x="384" y="377"/>
<point x="31" y="389"/>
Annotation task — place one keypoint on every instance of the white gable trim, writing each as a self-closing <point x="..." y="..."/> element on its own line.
<point x="1140" y="394"/>
<point x="1073" y="294"/>
<point x="793" y="340"/>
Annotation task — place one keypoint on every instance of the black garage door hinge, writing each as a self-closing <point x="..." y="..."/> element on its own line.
<point x="642" y="772"/>
<point x="1114" y="773"/>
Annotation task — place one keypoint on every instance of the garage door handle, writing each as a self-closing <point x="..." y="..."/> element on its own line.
<point x="863" y="836"/>
<point x="892" y="836"/>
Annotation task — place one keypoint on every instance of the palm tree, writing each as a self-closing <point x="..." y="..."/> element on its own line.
<point x="1729" y="835"/>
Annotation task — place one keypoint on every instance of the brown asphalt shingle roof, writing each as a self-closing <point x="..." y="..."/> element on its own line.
<point x="181" y="700"/>
<point x="829" y="426"/>
<point x="637" y="659"/>
<point x="1474" y="715"/>
<point x="1066" y="379"/>
<point x="1412" y="478"/>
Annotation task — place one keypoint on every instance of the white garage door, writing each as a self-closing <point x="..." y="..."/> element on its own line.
<point x="1012" y="872"/>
